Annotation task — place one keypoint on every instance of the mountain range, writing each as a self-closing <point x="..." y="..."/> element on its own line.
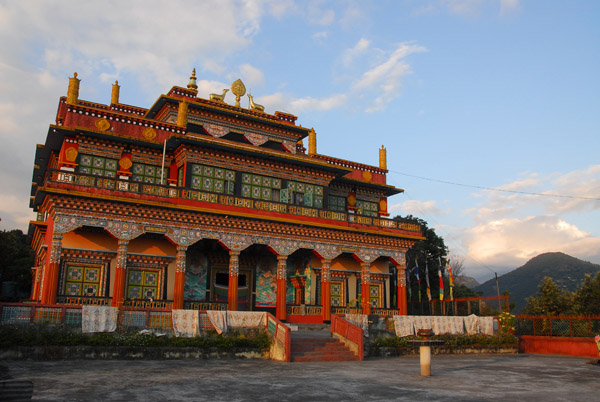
<point x="523" y="282"/>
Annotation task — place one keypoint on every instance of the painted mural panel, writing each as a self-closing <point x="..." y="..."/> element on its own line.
<point x="266" y="285"/>
<point x="195" y="278"/>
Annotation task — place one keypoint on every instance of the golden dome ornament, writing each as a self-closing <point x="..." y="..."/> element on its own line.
<point x="238" y="89"/>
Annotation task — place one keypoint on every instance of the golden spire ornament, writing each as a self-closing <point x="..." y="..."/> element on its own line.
<point x="239" y="90"/>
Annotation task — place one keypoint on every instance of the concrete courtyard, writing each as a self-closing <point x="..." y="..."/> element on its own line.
<point x="457" y="378"/>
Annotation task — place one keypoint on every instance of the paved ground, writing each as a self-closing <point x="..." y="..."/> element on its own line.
<point x="457" y="378"/>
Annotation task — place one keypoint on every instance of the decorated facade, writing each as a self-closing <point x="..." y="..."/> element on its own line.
<point x="205" y="204"/>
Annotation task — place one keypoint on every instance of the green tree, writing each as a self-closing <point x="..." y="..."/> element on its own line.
<point x="586" y="300"/>
<point x="16" y="259"/>
<point x="429" y="251"/>
<point x="550" y="299"/>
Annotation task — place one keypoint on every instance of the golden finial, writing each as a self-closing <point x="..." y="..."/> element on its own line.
<point x="73" y="90"/>
<point x="238" y="89"/>
<point x="312" y="142"/>
<point x="383" y="158"/>
<point x="192" y="84"/>
<point x="114" y="96"/>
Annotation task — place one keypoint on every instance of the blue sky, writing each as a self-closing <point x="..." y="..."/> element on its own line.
<point x="483" y="93"/>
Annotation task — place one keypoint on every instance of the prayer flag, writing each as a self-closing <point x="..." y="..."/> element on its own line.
<point x="418" y="279"/>
<point x="441" y="278"/>
<point x="427" y="280"/>
<point x="450" y="279"/>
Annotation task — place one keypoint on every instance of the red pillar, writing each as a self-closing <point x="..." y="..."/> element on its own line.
<point x="281" y="305"/>
<point x="179" y="278"/>
<point x="119" y="280"/>
<point x="365" y="282"/>
<point x="51" y="273"/>
<point x="326" y="289"/>
<point x="232" y="295"/>
<point x="402" y="303"/>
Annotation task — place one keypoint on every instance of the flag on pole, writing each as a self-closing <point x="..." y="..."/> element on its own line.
<point x="418" y="279"/>
<point x="427" y="280"/>
<point x="450" y="279"/>
<point x="441" y="278"/>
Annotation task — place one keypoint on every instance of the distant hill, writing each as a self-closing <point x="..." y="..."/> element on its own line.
<point x="523" y="282"/>
<point x="468" y="281"/>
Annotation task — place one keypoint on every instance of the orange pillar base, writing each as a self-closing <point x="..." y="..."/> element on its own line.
<point x="402" y="305"/>
<point x="119" y="288"/>
<point x="50" y="285"/>
<point x="232" y="295"/>
<point x="281" y="306"/>
<point x="366" y="300"/>
<point x="178" y="291"/>
<point x="326" y="300"/>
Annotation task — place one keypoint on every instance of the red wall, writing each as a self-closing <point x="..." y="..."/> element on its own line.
<point x="554" y="345"/>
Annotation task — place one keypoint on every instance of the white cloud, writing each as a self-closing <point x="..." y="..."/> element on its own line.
<point x="251" y="75"/>
<point x="349" y="55"/>
<point x="464" y="7"/>
<point x="509" y="6"/>
<point x="416" y="208"/>
<point x="512" y="241"/>
<point x="385" y="79"/>
<point x="310" y="103"/>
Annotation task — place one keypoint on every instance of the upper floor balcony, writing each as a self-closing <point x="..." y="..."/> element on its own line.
<point x="172" y="196"/>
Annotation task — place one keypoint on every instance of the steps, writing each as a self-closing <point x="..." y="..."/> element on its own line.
<point x="314" y="343"/>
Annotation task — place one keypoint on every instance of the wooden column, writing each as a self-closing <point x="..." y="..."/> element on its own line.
<point x="234" y="268"/>
<point x="50" y="284"/>
<point x="326" y="289"/>
<point x="179" y="277"/>
<point x="119" y="279"/>
<point x="281" y="305"/>
<point x="365" y="282"/>
<point x="402" y="303"/>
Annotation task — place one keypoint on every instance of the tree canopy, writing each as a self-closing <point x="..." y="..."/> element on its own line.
<point x="551" y="299"/>
<point x="16" y="259"/>
<point x="425" y="253"/>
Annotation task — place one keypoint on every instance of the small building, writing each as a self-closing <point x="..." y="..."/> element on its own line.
<point x="203" y="204"/>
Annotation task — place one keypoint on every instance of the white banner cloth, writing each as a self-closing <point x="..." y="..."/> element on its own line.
<point x="185" y="323"/>
<point x="98" y="319"/>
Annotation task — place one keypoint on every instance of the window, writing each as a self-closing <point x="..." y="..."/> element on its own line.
<point x="261" y="187"/>
<point x="142" y="284"/>
<point x="98" y="165"/>
<point x="337" y="203"/>
<point x="83" y="280"/>
<point x="367" y="208"/>
<point x="209" y="178"/>
<point x="148" y="173"/>
<point x="304" y="194"/>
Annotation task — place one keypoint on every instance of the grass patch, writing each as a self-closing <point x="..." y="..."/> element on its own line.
<point x="12" y="336"/>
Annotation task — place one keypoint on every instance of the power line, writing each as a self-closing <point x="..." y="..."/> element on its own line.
<point x="497" y="189"/>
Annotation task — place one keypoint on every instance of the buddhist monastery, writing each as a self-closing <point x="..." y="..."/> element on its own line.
<point x="202" y="203"/>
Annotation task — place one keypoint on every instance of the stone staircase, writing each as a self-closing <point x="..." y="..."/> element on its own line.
<point x="314" y="343"/>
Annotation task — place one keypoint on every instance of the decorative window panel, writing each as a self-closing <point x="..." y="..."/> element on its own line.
<point x="366" y="207"/>
<point x="143" y="283"/>
<point x="83" y="280"/>
<point x="97" y="165"/>
<point x="148" y="173"/>
<point x="337" y="203"/>
<point x="209" y="178"/>
<point x="309" y="195"/>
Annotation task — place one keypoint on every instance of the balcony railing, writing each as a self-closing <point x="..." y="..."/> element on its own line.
<point x="158" y="190"/>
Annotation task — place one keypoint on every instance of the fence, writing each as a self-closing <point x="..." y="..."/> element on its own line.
<point x="281" y="348"/>
<point x="481" y="306"/>
<point x="351" y="335"/>
<point x="565" y="326"/>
